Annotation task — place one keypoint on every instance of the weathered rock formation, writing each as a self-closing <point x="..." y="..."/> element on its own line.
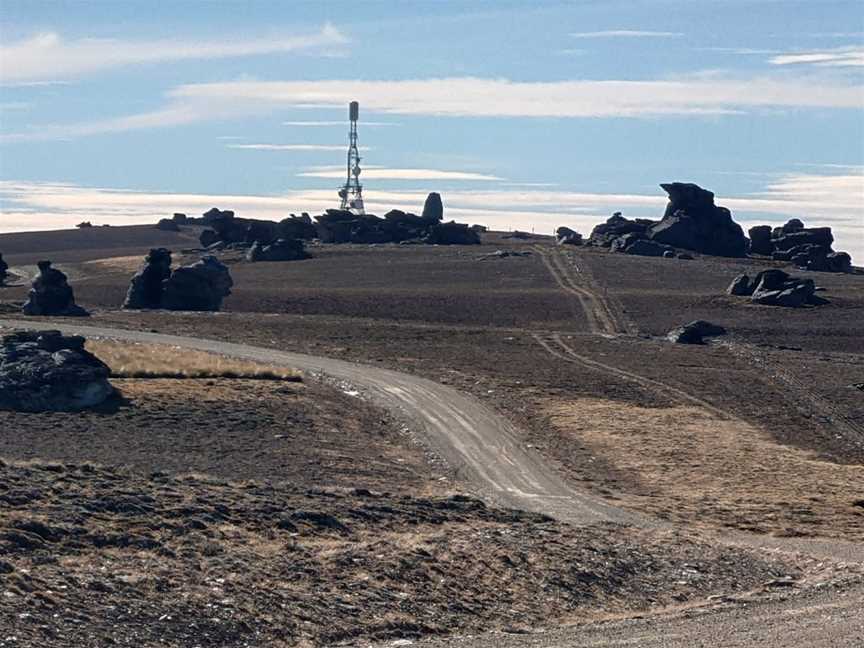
<point x="45" y="371"/>
<point x="805" y="247"/>
<point x="692" y="221"/>
<point x="198" y="287"/>
<point x="433" y="208"/>
<point x="278" y="250"/>
<point x="604" y="234"/>
<point x="51" y="294"/>
<point x="635" y="244"/>
<point x="84" y="225"/>
<point x="180" y="219"/>
<point x="145" y="290"/>
<point x="168" y="225"/>
<point x="4" y="270"/>
<point x="694" y="332"/>
<point x="297" y="227"/>
<point x="567" y="236"/>
<point x="776" y="288"/>
<point x="225" y="228"/>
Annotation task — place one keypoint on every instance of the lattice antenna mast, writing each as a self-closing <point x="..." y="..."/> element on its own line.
<point x="352" y="192"/>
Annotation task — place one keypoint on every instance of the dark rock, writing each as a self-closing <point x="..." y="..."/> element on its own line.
<point x="46" y="371"/>
<point x="837" y="262"/>
<point x="452" y="233"/>
<point x="692" y="221"/>
<point x="810" y="236"/>
<point x="685" y="256"/>
<point x="84" y="225"/>
<point x="760" y="240"/>
<point x="168" y="225"/>
<point x="208" y="237"/>
<point x="777" y="288"/>
<point x="145" y="290"/>
<point x="567" y="236"/>
<point x="4" y="270"/>
<point x="741" y="286"/>
<point x="694" y="332"/>
<point x="433" y="208"/>
<point x="279" y="250"/>
<point x="198" y="287"/>
<point x="668" y="254"/>
<point x="635" y="243"/>
<point x="479" y="228"/>
<point x="516" y="234"/>
<point x="180" y="219"/>
<point x="297" y="227"/>
<point x="616" y="226"/>
<point x="51" y="294"/>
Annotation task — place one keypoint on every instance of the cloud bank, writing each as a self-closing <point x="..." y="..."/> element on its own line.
<point x="47" y="57"/>
<point x="836" y="57"/>
<point x="475" y="97"/>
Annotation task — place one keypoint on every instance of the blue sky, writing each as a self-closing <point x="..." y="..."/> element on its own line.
<point x="524" y="115"/>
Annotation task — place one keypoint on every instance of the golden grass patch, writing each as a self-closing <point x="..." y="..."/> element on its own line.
<point x="131" y="360"/>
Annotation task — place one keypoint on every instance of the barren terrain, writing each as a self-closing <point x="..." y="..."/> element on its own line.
<point x="762" y="432"/>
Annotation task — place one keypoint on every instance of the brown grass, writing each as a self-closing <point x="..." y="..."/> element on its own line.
<point x="128" y="360"/>
<point x="687" y="463"/>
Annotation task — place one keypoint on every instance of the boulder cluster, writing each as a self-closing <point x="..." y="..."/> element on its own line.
<point x="45" y="371"/>
<point x="805" y="247"/>
<point x="51" y="294"/>
<point x="776" y="288"/>
<point x="200" y="286"/>
<point x="4" y="270"/>
<point x="281" y="249"/>
<point x="334" y="226"/>
<point x="691" y="221"/>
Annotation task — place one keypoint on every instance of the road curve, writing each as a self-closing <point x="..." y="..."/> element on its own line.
<point x="481" y="446"/>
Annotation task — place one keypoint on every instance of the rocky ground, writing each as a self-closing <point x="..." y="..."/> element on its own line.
<point x="95" y="556"/>
<point x="762" y="432"/>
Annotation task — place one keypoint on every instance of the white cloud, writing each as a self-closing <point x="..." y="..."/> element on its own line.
<point x="474" y="97"/>
<point x="47" y="57"/>
<point x="824" y="200"/>
<point x="292" y="147"/>
<point x="626" y="33"/>
<point x="835" y="57"/>
<point x="382" y="173"/>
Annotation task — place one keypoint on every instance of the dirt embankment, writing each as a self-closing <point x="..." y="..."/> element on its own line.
<point x="96" y="555"/>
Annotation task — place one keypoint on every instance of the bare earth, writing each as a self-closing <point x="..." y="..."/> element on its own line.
<point x="762" y="434"/>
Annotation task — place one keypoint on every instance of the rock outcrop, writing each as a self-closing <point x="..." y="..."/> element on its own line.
<point x="433" y="208"/>
<point x="776" y="288"/>
<point x="4" y="270"/>
<point x="51" y="294"/>
<point x="805" y="247"/>
<point x="695" y="332"/>
<point x="145" y="290"/>
<point x="297" y="227"/>
<point x="616" y="226"/>
<point x="225" y="228"/>
<point x="692" y="221"/>
<point x="168" y="225"/>
<point x="43" y="371"/>
<point x="198" y="287"/>
<point x="567" y="236"/>
<point x="279" y="250"/>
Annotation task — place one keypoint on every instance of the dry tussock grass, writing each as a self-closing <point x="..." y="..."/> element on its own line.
<point x="128" y="360"/>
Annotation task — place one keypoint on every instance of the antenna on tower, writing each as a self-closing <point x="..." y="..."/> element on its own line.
<point x="352" y="191"/>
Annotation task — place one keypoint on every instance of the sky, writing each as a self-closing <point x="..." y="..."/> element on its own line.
<point x="523" y="115"/>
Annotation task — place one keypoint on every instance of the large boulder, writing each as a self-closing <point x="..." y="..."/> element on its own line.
<point x="297" y="227"/>
<point x="433" y="208"/>
<point x="452" y="233"/>
<point x="198" y="287"/>
<point x="45" y="371"/>
<point x="694" y="332"/>
<point x="821" y="236"/>
<point x="692" y="221"/>
<point x="145" y="289"/>
<point x="741" y="286"/>
<point x="51" y="294"/>
<point x="777" y="288"/>
<point x="567" y="236"/>
<point x="279" y="250"/>
<point x="167" y="225"/>
<point x="604" y="234"/>
<point x="4" y="270"/>
<point x="760" y="240"/>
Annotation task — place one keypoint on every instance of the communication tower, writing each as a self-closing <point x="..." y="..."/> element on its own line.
<point x="352" y="191"/>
